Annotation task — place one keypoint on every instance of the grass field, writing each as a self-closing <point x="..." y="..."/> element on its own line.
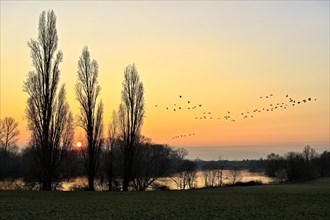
<point x="310" y="200"/>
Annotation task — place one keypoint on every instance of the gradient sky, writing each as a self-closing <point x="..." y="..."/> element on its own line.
<point x="223" y="55"/>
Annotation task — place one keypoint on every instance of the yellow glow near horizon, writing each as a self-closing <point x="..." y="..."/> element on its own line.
<point x="223" y="55"/>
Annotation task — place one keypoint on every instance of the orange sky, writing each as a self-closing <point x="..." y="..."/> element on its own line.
<point x="223" y="55"/>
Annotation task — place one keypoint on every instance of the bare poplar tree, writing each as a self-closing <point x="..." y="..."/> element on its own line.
<point x="131" y="114"/>
<point x="8" y="136"/>
<point x="91" y="116"/>
<point x="48" y="115"/>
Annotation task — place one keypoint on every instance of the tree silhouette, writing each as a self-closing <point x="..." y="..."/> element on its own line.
<point x="210" y="174"/>
<point x="234" y="175"/>
<point x="48" y="115"/>
<point x="185" y="175"/>
<point x="309" y="153"/>
<point x="151" y="162"/>
<point x="8" y="137"/>
<point x="91" y="117"/>
<point x="131" y="114"/>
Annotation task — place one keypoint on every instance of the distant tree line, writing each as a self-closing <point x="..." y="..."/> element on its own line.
<point x="295" y="166"/>
<point x="252" y="165"/>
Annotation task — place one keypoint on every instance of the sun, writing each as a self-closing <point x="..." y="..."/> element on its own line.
<point x="78" y="145"/>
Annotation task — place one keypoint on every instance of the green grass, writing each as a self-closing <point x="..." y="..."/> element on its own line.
<point x="310" y="200"/>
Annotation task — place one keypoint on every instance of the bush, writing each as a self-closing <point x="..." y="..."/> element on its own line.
<point x="249" y="183"/>
<point x="159" y="187"/>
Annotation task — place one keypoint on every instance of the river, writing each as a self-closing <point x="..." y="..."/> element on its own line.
<point x="80" y="182"/>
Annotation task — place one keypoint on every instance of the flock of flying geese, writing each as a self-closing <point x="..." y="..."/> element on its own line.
<point x="228" y="116"/>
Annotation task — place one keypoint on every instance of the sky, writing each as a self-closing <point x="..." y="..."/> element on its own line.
<point x="226" y="56"/>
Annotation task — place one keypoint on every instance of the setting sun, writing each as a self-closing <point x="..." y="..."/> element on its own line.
<point x="78" y="145"/>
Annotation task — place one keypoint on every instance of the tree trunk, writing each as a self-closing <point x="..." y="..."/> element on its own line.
<point x="47" y="183"/>
<point x="46" y="186"/>
<point x="91" y="181"/>
<point x="4" y="164"/>
<point x="110" y="176"/>
<point x="110" y="184"/>
<point x="91" y="174"/>
<point x="90" y="171"/>
<point x="126" y="175"/>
